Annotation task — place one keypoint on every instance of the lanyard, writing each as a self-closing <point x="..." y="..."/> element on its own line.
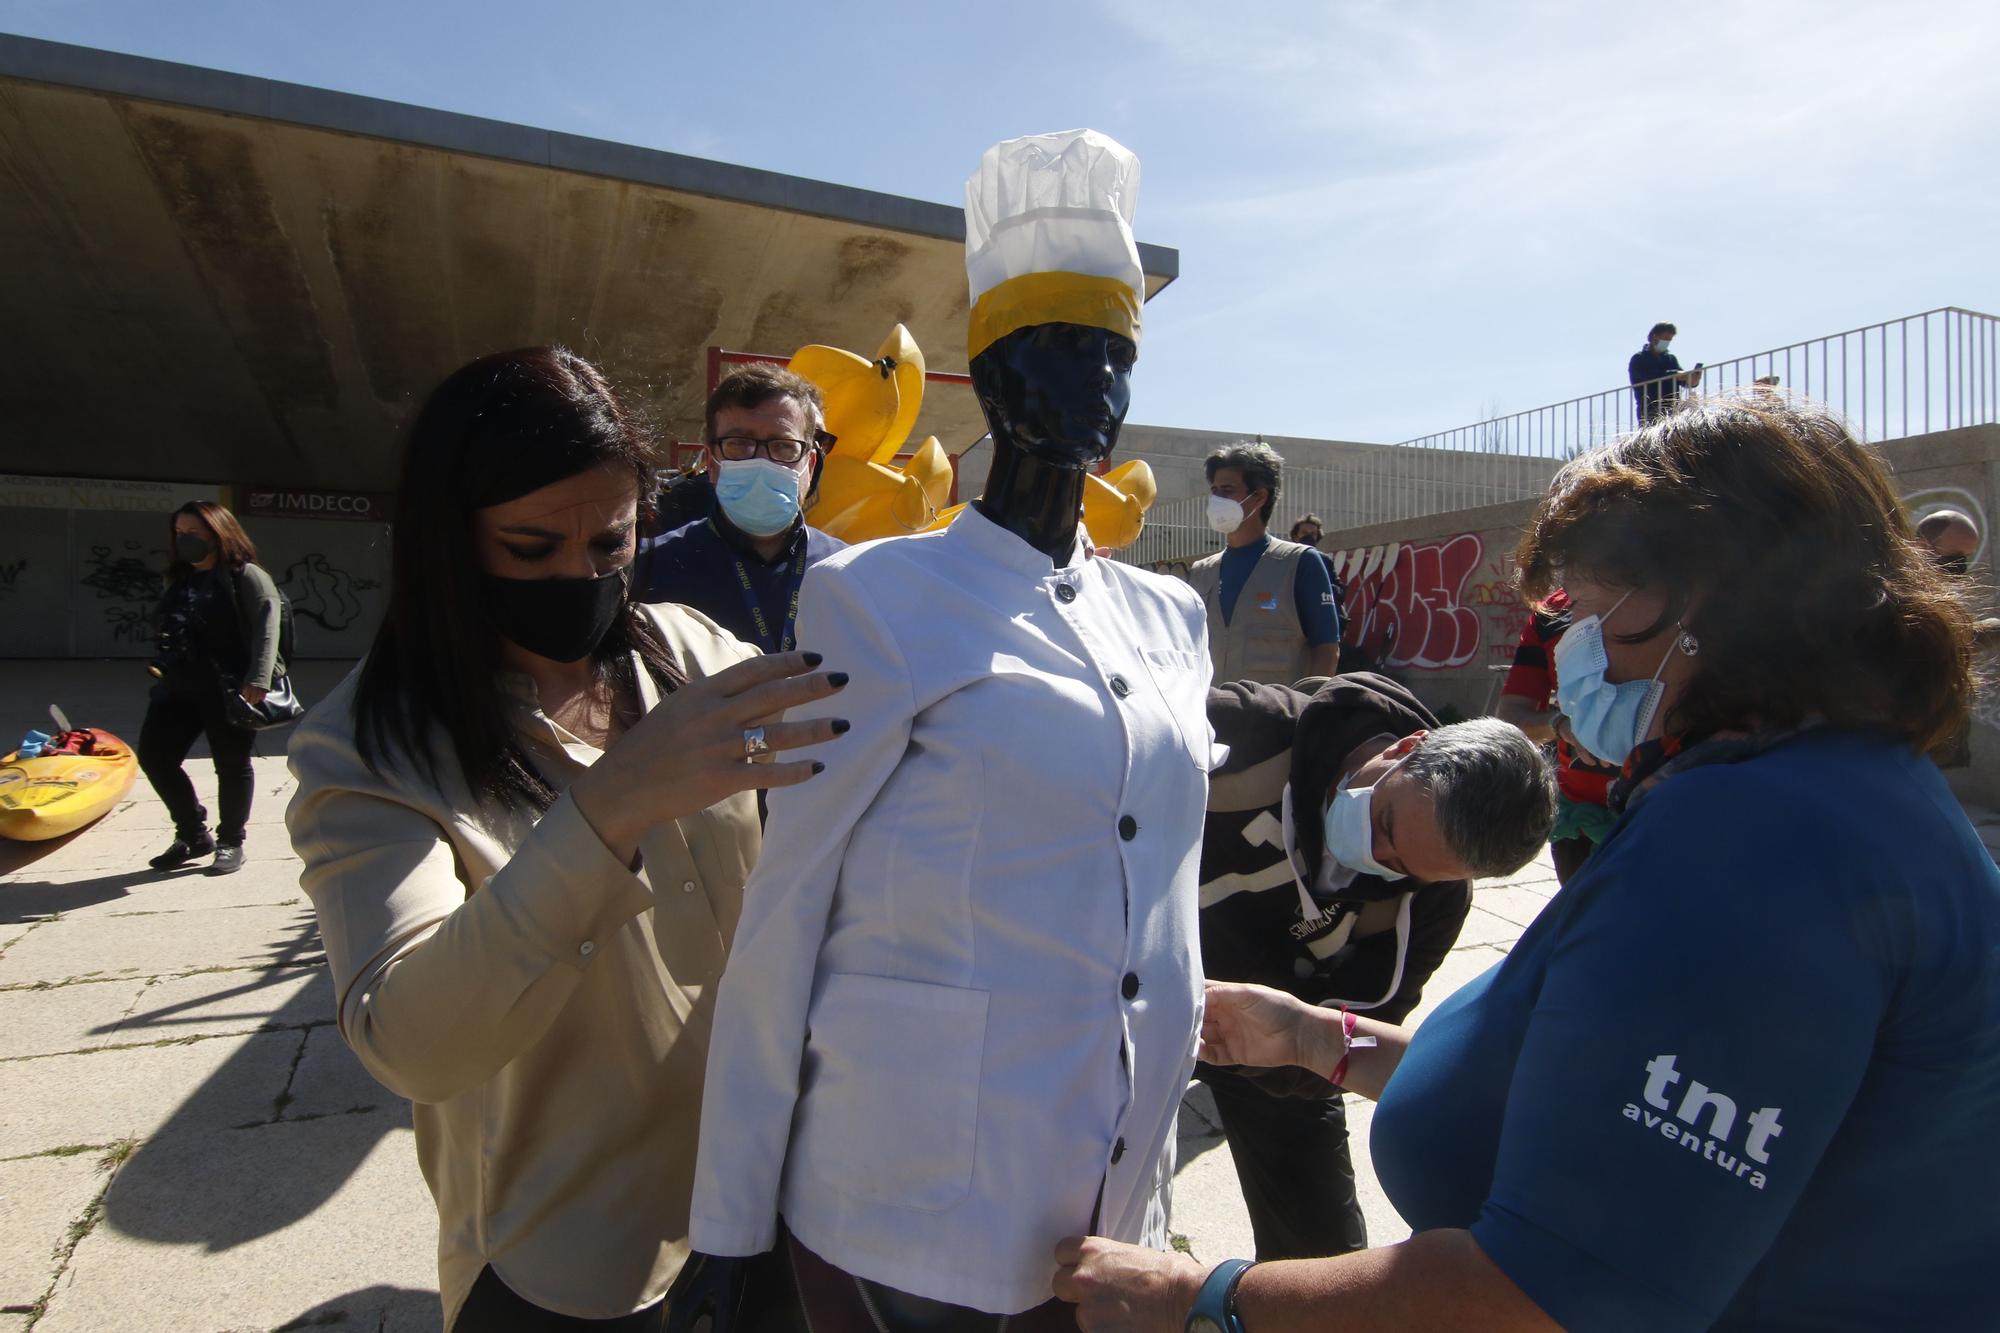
<point x="783" y="642"/>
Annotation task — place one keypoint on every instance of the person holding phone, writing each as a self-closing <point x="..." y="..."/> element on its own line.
<point x="1656" y="375"/>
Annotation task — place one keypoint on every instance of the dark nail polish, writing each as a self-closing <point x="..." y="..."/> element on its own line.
<point x="840" y="726"/>
<point x="836" y="678"/>
<point x="818" y="767"/>
<point x="814" y="659"/>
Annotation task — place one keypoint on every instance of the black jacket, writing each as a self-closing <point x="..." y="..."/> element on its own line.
<point x="1252" y="920"/>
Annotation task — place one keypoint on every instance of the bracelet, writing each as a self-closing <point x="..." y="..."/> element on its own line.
<point x="1349" y="1043"/>
<point x="1215" y="1306"/>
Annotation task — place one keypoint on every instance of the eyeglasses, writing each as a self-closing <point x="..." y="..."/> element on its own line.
<point x="737" y="448"/>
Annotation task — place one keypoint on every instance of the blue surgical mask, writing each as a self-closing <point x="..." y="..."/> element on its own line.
<point x="759" y="496"/>
<point x="1608" y="720"/>
<point x="1350" y="828"/>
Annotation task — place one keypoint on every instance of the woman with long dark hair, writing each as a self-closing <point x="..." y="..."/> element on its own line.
<point x="1743" y="1071"/>
<point x="218" y="632"/>
<point x="526" y="819"/>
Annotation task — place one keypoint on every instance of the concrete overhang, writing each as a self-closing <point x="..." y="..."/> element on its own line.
<point x="217" y="277"/>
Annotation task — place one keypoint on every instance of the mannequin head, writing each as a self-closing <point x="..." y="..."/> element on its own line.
<point x="1056" y="392"/>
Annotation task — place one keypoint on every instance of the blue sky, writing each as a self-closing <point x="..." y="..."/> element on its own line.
<point x="1392" y="217"/>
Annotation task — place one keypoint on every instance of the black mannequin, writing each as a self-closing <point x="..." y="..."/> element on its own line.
<point x="1054" y="396"/>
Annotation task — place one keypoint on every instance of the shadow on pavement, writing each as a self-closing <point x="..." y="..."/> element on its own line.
<point x="207" y="1177"/>
<point x="389" y="1309"/>
<point x="16" y="855"/>
<point x="33" y="899"/>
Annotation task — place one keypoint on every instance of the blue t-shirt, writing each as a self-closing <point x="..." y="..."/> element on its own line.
<point x="751" y="598"/>
<point x="1742" y="1072"/>
<point x="1312" y="589"/>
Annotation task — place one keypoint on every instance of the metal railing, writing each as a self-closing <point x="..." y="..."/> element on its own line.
<point x="1935" y="371"/>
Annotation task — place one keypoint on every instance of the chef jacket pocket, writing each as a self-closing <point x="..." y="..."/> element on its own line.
<point x="891" y="1103"/>
<point x="1182" y="680"/>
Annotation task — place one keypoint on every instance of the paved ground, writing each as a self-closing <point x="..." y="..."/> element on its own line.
<point x="185" y="1144"/>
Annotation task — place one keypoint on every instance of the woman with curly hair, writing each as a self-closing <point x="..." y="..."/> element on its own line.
<point x="1743" y="1071"/>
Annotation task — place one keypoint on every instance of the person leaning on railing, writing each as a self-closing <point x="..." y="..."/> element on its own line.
<point x="1743" y="1070"/>
<point x="1656" y="375"/>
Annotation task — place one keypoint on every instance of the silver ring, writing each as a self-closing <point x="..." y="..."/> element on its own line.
<point x="754" y="743"/>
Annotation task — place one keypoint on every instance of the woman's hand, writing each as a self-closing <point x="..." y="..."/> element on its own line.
<point x="1255" y="1025"/>
<point x="1119" y="1288"/>
<point x="252" y="695"/>
<point x="688" y="753"/>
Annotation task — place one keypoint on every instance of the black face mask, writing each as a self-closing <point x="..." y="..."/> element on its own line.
<point x="561" y="619"/>
<point x="191" y="548"/>
<point x="1953" y="564"/>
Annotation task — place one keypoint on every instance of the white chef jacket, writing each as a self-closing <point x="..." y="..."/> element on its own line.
<point x="965" y="993"/>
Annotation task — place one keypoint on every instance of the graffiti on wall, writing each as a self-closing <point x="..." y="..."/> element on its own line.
<point x="129" y="584"/>
<point x="1407" y="604"/>
<point x="1503" y="611"/>
<point x="323" y="592"/>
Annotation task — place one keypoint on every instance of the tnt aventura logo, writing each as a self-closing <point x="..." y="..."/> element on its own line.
<point x="1680" y="1124"/>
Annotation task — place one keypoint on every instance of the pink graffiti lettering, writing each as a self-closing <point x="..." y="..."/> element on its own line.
<point x="1409" y="611"/>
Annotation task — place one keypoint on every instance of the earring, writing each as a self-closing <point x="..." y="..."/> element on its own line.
<point x="1687" y="643"/>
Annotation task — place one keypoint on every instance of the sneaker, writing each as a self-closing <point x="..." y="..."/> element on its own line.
<point x="228" y="859"/>
<point x="183" y="851"/>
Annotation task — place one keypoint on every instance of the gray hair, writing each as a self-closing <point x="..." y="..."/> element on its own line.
<point x="1260" y="465"/>
<point x="1493" y="790"/>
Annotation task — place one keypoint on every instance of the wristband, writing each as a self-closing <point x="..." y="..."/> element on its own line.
<point x="1349" y="1043"/>
<point x="1215" y="1307"/>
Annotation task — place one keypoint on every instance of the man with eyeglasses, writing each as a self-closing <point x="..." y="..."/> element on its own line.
<point x="742" y="565"/>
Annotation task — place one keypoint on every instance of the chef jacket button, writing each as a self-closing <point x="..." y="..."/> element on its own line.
<point x="1065" y="593"/>
<point x="1131" y="986"/>
<point x="586" y="949"/>
<point x="1128" y="828"/>
<point x="687" y="886"/>
<point x="1120" y="686"/>
<point x="1117" y="1151"/>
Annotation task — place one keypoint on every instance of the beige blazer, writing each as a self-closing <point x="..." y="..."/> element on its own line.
<point x="545" y="1007"/>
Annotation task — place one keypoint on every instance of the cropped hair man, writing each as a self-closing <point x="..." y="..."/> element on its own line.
<point x="1338" y="850"/>
<point x="742" y="565"/>
<point x="1272" y="612"/>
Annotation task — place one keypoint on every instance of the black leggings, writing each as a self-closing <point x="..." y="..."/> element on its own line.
<point x="173" y="720"/>
<point x="1293" y="1163"/>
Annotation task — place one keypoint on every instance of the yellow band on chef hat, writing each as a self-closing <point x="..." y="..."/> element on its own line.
<point x="1052" y="298"/>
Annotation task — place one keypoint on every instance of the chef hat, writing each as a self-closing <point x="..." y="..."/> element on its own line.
<point x="1048" y="236"/>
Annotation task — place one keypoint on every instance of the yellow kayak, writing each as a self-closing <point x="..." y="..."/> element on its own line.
<point x="61" y="791"/>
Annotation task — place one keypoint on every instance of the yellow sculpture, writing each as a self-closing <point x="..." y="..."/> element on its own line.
<point x="871" y="407"/>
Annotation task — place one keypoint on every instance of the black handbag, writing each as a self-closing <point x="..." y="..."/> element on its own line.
<point x="279" y="707"/>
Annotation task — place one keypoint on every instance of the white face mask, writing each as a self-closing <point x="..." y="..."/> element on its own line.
<point x="1224" y="514"/>
<point x="1350" y="828"/>
<point x="1660" y="346"/>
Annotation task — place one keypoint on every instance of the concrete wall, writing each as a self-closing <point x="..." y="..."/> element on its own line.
<point x="81" y="563"/>
<point x="1348" y="484"/>
<point x="1433" y="598"/>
